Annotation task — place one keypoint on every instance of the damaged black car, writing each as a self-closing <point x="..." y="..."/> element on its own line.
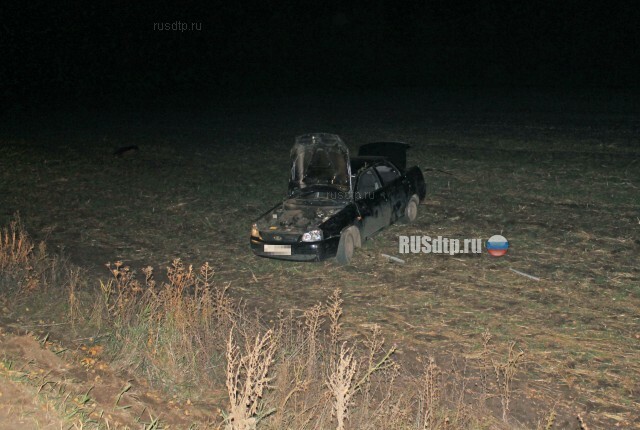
<point x="335" y="202"/>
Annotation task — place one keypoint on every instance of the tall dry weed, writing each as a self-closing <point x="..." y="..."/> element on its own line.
<point x="247" y="378"/>
<point x="174" y="330"/>
<point x="342" y="385"/>
<point x="504" y="376"/>
<point x="430" y="394"/>
<point x="16" y="247"/>
<point x="25" y="267"/>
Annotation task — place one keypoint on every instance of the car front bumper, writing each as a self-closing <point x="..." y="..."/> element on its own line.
<point x="300" y="251"/>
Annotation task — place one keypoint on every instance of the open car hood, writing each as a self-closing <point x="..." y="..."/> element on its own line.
<point x="296" y="216"/>
<point x="319" y="160"/>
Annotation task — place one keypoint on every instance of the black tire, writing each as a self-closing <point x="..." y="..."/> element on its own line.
<point x="411" y="211"/>
<point x="347" y="245"/>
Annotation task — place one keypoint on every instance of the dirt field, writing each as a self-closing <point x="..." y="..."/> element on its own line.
<point x="557" y="175"/>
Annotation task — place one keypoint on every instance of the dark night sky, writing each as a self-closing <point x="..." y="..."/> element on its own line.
<point x="110" y="50"/>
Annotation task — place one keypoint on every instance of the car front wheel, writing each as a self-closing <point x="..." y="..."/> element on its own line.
<point x="411" y="211"/>
<point x="346" y="246"/>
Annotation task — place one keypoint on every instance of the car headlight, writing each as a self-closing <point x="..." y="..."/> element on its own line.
<point x="312" y="236"/>
<point x="255" y="232"/>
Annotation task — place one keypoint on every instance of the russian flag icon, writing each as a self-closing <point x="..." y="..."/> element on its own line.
<point x="497" y="245"/>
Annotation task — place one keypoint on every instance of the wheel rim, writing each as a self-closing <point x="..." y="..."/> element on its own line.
<point x="412" y="210"/>
<point x="348" y="246"/>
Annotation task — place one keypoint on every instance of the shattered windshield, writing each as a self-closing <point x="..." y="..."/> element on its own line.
<point x="320" y="159"/>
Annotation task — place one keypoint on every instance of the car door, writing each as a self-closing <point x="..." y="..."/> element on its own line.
<point x="372" y="201"/>
<point x="394" y="188"/>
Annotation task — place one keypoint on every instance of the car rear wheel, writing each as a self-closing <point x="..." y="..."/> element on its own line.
<point x="411" y="211"/>
<point x="349" y="239"/>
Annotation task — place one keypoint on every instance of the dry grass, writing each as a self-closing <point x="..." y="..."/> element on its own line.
<point x="26" y="268"/>
<point x="17" y="256"/>
<point x="188" y="336"/>
<point x="173" y="331"/>
<point x="15" y="246"/>
<point x="504" y="377"/>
